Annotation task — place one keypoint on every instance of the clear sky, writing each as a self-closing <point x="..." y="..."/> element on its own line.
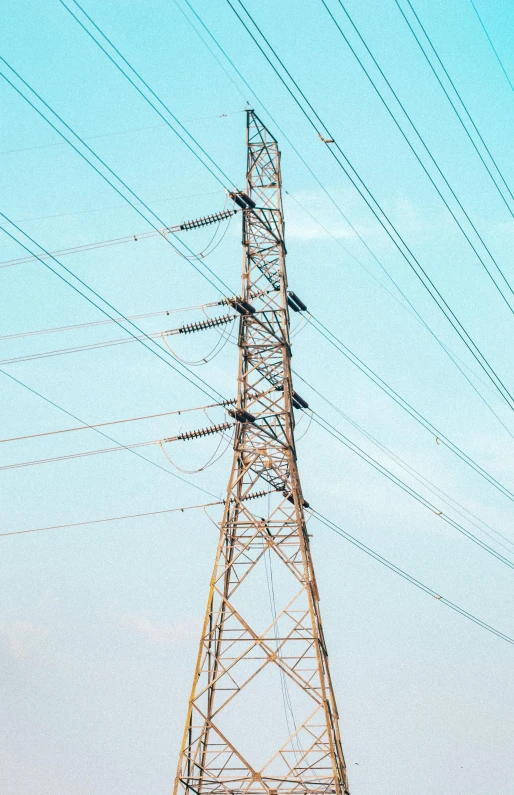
<point x="99" y="624"/>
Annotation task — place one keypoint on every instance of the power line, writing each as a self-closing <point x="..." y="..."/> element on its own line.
<point x="406" y="406"/>
<point x="116" y="241"/>
<point x="379" y="213"/>
<point x="112" y="422"/>
<point x="106" y="179"/>
<point x="502" y="67"/>
<point x="447" y="498"/>
<point x="109" y="519"/>
<point x="413" y="581"/>
<point x="340" y="437"/>
<point x="426" y="148"/>
<point x="106" y="313"/>
<point x="118" y="448"/>
<point x="138" y="75"/>
<point x="71" y="456"/>
<point x="67" y="282"/>
<point x="94" y="323"/>
<point x="30" y="357"/>
<point x="463" y="104"/>
<point x="155" y="351"/>
<point x="453" y="358"/>
<point x="59" y="263"/>
<point x="105" y="435"/>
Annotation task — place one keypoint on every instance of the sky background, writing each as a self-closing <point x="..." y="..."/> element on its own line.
<point x="99" y="624"/>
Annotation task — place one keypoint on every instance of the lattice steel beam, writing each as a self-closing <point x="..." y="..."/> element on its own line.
<point x="240" y="737"/>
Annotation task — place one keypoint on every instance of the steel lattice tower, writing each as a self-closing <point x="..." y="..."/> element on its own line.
<point x="262" y="716"/>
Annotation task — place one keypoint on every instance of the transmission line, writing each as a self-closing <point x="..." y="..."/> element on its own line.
<point x="380" y="215"/>
<point x="63" y="252"/>
<point x="155" y="351"/>
<point x="464" y="106"/>
<point x="340" y="437"/>
<point x="61" y="263"/>
<point x="71" y="456"/>
<point x="425" y="147"/>
<point x="84" y="294"/>
<point x="138" y="75"/>
<point x="413" y="581"/>
<point x="157" y="229"/>
<point x="482" y="25"/>
<point x="97" y="305"/>
<point x="457" y="365"/>
<point x="113" y="422"/>
<point x="406" y="406"/>
<point x="93" y="323"/>
<point x="447" y="498"/>
<point x="451" y="356"/>
<point x="29" y="357"/>
<point x="108" y="519"/>
<point x="105" y="435"/>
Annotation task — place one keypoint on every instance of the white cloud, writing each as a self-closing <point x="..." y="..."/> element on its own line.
<point x="22" y="638"/>
<point x="161" y="632"/>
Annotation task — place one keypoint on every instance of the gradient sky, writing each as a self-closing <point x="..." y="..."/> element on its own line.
<point x="100" y="624"/>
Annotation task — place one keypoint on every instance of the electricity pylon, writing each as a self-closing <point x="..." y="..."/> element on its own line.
<point x="262" y="716"/>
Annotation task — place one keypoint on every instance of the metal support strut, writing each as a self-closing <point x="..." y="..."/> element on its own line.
<point x="262" y="717"/>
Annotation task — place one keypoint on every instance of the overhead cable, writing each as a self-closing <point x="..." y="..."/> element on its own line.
<point x="406" y="406"/>
<point x="432" y="488"/>
<point x="425" y="147"/>
<point x="92" y="323"/>
<point x="126" y="516"/>
<point x="109" y="519"/>
<point x="156" y="351"/>
<point x="186" y="329"/>
<point x="463" y="104"/>
<point x="340" y="437"/>
<point x="102" y="433"/>
<point x="152" y="92"/>
<point x="160" y="442"/>
<point x="413" y="580"/>
<point x="225" y="215"/>
<point x="116" y="422"/>
<point x="195" y="264"/>
<point x="502" y="67"/>
<point x="453" y="358"/>
<point x="379" y="213"/>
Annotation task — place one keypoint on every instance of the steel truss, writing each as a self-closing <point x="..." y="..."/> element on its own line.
<point x="243" y="653"/>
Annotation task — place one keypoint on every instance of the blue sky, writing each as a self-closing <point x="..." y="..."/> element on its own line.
<point x="99" y="626"/>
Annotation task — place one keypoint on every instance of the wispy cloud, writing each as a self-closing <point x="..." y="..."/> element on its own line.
<point x="22" y="638"/>
<point x="160" y="632"/>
